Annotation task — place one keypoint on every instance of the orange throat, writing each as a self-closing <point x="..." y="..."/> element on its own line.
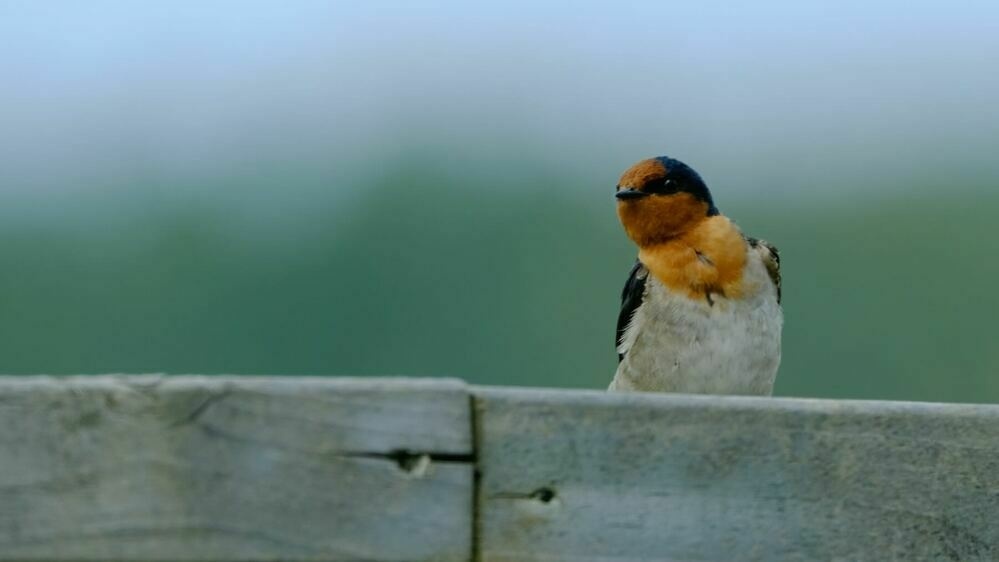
<point x="704" y="262"/>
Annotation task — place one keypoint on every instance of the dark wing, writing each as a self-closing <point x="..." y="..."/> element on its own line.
<point x="771" y="259"/>
<point x="631" y="299"/>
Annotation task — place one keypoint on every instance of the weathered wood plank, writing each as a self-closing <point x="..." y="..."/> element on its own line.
<point x="588" y="476"/>
<point x="205" y="468"/>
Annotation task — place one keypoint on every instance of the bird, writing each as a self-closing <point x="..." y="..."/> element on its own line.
<point x="701" y="310"/>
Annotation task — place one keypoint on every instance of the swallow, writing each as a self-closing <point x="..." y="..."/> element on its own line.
<point x="701" y="310"/>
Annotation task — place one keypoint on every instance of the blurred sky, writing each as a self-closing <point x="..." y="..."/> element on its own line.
<point x="426" y="187"/>
<point x="761" y="97"/>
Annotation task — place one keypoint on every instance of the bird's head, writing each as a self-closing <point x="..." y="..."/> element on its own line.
<point x="660" y="198"/>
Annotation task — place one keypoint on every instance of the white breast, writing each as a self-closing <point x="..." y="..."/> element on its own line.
<point x="678" y="344"/>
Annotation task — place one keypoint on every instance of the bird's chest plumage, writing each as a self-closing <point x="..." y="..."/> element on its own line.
<point x="716" y="345"/>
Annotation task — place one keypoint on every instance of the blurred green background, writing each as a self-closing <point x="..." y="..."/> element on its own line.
<point x="426" y="188"/>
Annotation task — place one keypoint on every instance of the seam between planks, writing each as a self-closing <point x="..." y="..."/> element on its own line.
<point x="476" y="523"/>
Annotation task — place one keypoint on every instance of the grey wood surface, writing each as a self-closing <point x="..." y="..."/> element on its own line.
<point x="242" y="468"/>
<point x="590" y="476"/>
<point x="234" y="468"/>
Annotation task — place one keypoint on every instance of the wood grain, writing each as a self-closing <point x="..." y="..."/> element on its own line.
<point x="234" y="468"/>
<point x="238" y="468"/>
<point x="589" y="476"/>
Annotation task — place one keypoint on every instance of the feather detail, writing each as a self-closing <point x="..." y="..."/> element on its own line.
<point x="631" y="299"/>
<point x="771" y="259"/>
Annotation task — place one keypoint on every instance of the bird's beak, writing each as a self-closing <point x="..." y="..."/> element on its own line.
<point x="629" y="194"/>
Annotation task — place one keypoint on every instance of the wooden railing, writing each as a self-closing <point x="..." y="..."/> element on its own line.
<point x="245" y="468"/>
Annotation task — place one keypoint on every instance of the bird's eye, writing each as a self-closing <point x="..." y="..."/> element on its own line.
<point x="664" y="187"/>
